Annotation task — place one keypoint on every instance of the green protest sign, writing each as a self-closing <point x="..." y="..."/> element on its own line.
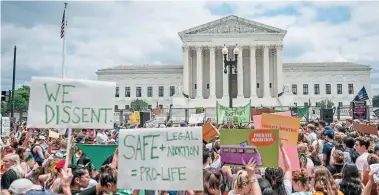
<point x="234" y="115"/>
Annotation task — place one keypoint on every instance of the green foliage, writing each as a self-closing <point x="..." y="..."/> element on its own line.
<point x="375" y="101"/>
<point x="139" y="105"/>
<point x="199" y="110"/>
<point x="21" y="101"/>
<point x="326" y="104"/>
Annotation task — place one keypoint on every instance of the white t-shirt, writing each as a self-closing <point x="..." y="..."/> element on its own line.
<point x="101" y="138"/>
<point x="362" y="163"/>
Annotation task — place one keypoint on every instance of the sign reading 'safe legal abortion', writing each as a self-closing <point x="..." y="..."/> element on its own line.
<point x="70" y="103"/>
<point x="161" y="159"/>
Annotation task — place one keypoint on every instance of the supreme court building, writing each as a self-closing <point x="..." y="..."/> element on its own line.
<point x="260" y="76"/>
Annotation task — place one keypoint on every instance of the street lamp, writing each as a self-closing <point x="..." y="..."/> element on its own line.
<point x="231" y="63"/>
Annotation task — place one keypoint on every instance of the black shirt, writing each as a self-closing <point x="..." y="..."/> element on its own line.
<point x="7" y="178"/>
<point x="89" y="191"/>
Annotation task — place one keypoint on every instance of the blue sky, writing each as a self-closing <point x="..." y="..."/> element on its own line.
<point x="105" y="34"/>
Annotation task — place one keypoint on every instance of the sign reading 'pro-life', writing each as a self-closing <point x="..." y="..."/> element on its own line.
<point x="69" y="103"/>
<point x="161" y="159"/>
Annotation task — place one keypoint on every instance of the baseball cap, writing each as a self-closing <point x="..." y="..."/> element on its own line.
<point x="329" y="133"/>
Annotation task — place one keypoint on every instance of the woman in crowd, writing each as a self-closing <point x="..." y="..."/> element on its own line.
<point x="323" y="182"/>
<point x="300" y="183"/>
<point x="14" y="172"/>
<point x="351" y="180"/>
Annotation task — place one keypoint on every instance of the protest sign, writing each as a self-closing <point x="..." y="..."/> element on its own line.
<point x="5" y="126"/>
<point x="70" y="103"/>
<point x="196" y="118"/>
<point x="209" y="132"/>
<point x="367" y="129"/>
<point x="53" y="134"/>
<point x="260" y="144"/>
<point x="257" y="118"/>
<point x="288" y="126"/>
<point x="161" y="159"/>
<point x="234" y="115"/>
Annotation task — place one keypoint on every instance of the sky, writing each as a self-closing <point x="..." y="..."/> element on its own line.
<point x="106" y="34"/>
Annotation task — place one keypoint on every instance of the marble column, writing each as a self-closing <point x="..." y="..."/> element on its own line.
<point x="279" y="68"/>
<point x="266" y="72"/>
<point x="185" y="69"/>
<point x="253" y="73"/>
<point x="240" y="73"/>
<point x="199" y="72"/>
<point x="225" y="80"/>
<point x="212" y="72"/>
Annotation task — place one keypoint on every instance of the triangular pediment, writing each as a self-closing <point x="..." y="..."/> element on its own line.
<point x="232" y="25"/>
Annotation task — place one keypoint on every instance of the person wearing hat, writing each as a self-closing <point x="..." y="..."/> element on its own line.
<point x="328" y="135"/>
<point x="38" y="151"/>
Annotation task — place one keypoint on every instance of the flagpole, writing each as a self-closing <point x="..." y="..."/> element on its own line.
<point x="69" y="134"/>
<point x="64" y="40"/>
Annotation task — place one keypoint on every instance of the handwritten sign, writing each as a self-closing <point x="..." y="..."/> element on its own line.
<point x="161" y="159"/>
<point x="5" y="126"/>
<point x="69" y="103"/>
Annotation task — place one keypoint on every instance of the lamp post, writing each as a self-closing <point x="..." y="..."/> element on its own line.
<point x="230" y="63"/>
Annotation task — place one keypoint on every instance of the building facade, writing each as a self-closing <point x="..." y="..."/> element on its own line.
<point x="259" y="77"/>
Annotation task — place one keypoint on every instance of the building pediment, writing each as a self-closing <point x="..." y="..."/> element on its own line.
<point x="232" y="25"/>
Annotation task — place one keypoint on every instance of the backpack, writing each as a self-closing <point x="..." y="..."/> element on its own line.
<point x="354" y="155"/>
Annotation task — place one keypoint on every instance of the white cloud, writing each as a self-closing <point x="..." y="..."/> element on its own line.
<point x="105" y="34"/>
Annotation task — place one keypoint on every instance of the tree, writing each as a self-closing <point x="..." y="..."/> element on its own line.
<point x="139" y="105"/>
<point x="21" y="101"/>
<point x="325" y="104"/>
<point x="375" y="101"/>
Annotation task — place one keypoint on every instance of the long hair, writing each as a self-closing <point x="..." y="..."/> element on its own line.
<point x="351" y="180"/>
<point x="275" y="176"/>
<point x="324" y="182"/>
<point x="16" y="167"/>
<point x="212" y="180"/>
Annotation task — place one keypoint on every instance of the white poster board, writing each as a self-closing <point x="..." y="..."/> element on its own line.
<point x="5" y="126"/>
<point x="161" y="159"/>
<point x="70" y="103"/>
<point x="196" y="118"/>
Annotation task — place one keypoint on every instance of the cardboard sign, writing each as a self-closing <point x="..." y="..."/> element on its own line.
<point x="209" y="132"/>
<point x="161" y="159"/>
<point x="288" y="127"/>
<point x="259" y="111"/>
<point x="70" y="103"/>
<point x="262" y="145"/>
<point x="53" y="134"/>
<point x="367" y="129"/>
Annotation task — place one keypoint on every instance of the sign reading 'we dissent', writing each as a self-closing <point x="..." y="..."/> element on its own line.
<point x="69" y="103"/>
<point x="161" y="159"/>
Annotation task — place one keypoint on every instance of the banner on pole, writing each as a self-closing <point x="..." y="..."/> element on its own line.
<point x="234" y="115"/>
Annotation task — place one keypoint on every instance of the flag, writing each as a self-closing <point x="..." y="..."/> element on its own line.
<point x="303" y="112"/>
<point x="362" y="95"/>
<point x="63" y="24"/>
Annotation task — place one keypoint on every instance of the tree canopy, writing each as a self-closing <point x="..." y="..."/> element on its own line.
<point x="325" y="104"/>
<point x="21" y="101"/>
<point x="139" y="105"/>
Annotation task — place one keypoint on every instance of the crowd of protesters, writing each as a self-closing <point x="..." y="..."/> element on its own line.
<point x="334" y="159"/>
